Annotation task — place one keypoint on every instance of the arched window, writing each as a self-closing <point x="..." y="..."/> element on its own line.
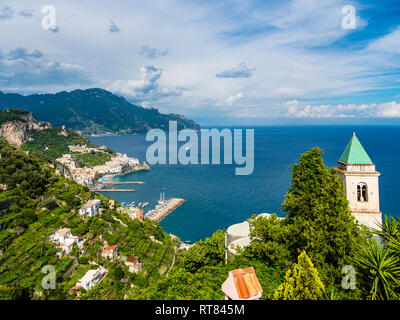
<point x="362" y="194"/>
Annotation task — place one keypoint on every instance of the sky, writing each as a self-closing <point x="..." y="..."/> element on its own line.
<point x="237" y="62"/>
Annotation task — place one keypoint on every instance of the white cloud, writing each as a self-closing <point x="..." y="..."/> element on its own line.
<point x="241" y="71"/>
<point x="25" y="70"/>
<point x="152" y="53"/>
<point x="6" y="13"/>
<point x="388" y="43"/>
<point x="373" y="110"/>
<point x="232" y="99"/>
<point x="27" y="13"/>
<point x="147" y="88"/>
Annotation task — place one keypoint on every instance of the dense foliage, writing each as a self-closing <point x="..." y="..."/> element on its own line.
<point x="193" y="279"/>
<point x="379" y="264"/>
<point x="50" y="144"/>
<point x="319" y="215"/>
<point x="35" y="202"/>
<point x="12" y="115"/>
<point x="18" y="170"/>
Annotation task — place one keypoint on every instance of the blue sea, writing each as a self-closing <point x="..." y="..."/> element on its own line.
<point x="216" y="197"/>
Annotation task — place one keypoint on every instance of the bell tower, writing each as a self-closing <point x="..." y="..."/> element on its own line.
<point x="361" y="182"/>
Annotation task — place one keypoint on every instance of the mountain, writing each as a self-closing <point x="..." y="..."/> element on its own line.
<point x="93" y="111"/>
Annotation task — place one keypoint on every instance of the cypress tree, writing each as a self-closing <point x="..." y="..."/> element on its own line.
<point x="319" y="217"/>
<point x="302" y="282"/>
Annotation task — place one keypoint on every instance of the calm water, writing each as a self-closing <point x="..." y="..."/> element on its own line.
<point x="216" y="198"/>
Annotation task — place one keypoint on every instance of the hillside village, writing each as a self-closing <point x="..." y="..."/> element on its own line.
<point x="117" y="165"/>
<point x="92" y="238"/>
<point x="72" y="154"/>
<point x="65" y="243"/>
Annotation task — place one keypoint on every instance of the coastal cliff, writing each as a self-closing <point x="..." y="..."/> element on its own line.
<point x="139" y="167"/>
<point x="16" y="125"/>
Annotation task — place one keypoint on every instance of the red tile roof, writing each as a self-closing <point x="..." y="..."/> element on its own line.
<point x="246" y="282"/>
<point x="110" y="247"/>
<point x="132" y="259"/>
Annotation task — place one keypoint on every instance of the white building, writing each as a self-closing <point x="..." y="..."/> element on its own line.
<point x="115" y="169"/>
<point x="110" y="252"/>
<point x="360" y="180"/>
<point x="67" y="245"/>
<point x="90" y="279"/>
<point x="90" y="208"/>
<point x="134" y="264"/>
<point x="65" y="240"/>
<point x="60" y="235"/>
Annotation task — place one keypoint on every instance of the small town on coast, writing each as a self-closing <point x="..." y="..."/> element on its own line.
<point x="99" y="178"/>
<point x="118" y="165"/>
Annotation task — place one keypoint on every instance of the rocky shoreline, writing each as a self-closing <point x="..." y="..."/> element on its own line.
<point x="140" y="167"/>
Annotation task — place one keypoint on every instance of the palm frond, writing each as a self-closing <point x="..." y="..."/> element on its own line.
<point x="382" y="269"/>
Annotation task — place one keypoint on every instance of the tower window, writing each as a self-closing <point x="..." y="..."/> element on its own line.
<point x="362" y="194"/>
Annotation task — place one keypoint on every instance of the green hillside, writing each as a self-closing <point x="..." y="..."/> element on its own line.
<point x="93" y="111"/>
<point x="34" y="203"/>
<point x="49" y="144"/>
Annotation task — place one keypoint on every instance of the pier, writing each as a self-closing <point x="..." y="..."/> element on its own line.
<point x="112" y="190"/>
<point x="127" y="182"/>
<point x="160" y="213"/>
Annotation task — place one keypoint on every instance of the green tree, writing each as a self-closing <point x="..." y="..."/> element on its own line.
<point x="117" y="273"/>
<point x="83" y="260"/>
<point x="269" y="243"/>
<point x="210" y="252"/>
<point x="302" y="282"/>
<point x="319" y="217"/>
<point x="184" y="285"/>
